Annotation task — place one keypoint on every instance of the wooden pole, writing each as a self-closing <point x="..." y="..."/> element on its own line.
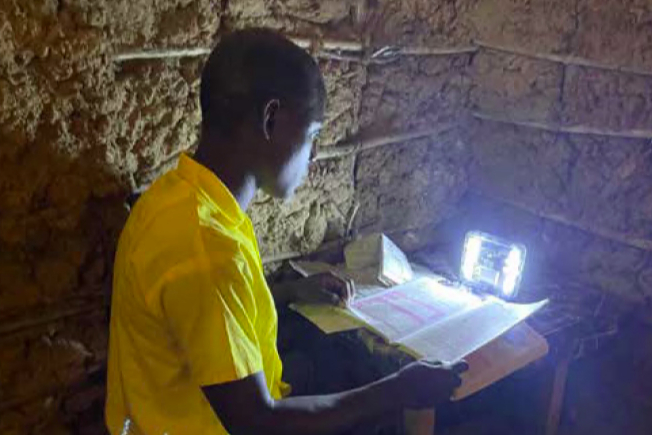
<point x="563" y="59"/>
<point x="356" y="146"/>
<point x="573" y="129"/>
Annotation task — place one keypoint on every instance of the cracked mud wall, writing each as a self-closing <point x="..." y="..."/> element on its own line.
<point x="595" y="191"/>
<point x="600" y="183"/>
<point x="582" y="161"/>
<point x="79" y="131"/>
<point x="412" y="185"/>
<point x="415" y="183"/>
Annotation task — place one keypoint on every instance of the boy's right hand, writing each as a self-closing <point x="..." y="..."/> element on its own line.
<point x="427" y="384"/>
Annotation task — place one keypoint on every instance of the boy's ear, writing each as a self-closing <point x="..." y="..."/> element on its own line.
<point x="269" y="118"/>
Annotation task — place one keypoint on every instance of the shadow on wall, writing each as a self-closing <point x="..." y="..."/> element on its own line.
<point x="69" y="123"/>
<point x="60" y="217"/>
<point x="610" y="394"/>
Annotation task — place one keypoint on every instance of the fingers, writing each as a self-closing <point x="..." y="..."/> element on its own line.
<point x="431" y="362"/>
<point x="328" y="288"/>
<point x="460" y="367"/>
<point x="429" y="383"/>
<point x="455" y="370"/>
<point x="349" y="289"/>
<point x="342" y="287"/>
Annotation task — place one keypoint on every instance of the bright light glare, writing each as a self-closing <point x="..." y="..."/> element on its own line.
<point x="491" y="264"/>
<point x="511" y="270"/>
<point x="471" y="255"/>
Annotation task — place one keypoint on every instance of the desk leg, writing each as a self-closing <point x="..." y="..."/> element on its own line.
<point x="421" y="422"/>
<point x="557" y="396"/>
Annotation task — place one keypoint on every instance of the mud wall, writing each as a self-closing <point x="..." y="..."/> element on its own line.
<point x="535" y="115"/>
<point x="562" y="138"/>
<point x="99" y="98"/>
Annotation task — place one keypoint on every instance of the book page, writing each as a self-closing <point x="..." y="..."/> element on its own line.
<point x="406" y="309"/>
<point x="433" y="320"/>
<point x="328" y="318"/>
<point x="511" y="351"/>
<point x="394" y="266"/>
<point x="333" y="319"/>
<point x="468" y="331"/>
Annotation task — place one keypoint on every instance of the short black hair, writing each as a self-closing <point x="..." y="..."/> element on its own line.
<point x="249" y="67"/>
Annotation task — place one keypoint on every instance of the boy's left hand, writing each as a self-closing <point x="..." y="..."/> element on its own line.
<point x="326" y="287"/>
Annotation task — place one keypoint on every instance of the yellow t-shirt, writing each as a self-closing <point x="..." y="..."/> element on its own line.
<point x="190" y="307"/>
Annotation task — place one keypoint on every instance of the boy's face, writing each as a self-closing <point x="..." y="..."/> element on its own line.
<point x="289" y="151"/>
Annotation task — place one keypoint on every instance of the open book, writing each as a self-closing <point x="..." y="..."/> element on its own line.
<point x="431" y="320"/>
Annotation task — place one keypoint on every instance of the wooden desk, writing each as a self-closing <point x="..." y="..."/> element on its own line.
<point x="571" y="322"/>
<point x="577" y="321"/>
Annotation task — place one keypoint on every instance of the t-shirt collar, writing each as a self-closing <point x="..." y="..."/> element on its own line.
<point x="205" y="180"/>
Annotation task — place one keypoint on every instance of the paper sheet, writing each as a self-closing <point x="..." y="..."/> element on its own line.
<point x="329" y="319"/>
<point x="411" y="307"/>
<point x="468" y="331"/>
<point x="430" y="319"/>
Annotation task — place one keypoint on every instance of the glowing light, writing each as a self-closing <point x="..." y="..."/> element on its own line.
<point x="511" y="271"/>
<point x="471" y="256"/>
<point x="492" y="264"/>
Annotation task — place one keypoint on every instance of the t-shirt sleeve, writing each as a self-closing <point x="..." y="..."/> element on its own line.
<point x="211" y="321"/>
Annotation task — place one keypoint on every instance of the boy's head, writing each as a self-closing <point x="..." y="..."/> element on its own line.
<point x="263" y="97"/>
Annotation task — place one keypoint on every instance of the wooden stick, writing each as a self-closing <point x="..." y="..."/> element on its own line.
<point x="354" y="213"/>
<point x="433" y="51"/>
<point x="328" y="44"/>
<point x="332" y="49"/>
<point x="635" y="242"/>
<point x="563" y="59"/>
<point x="327" y="48"/>
<point x="575" y="129"/>
<point x="25" y="322"/>
<point x="161" y="54"/>
<point x="348" y="147"/>
<point x="281" y="257"/>
<point x="344" y="148"/>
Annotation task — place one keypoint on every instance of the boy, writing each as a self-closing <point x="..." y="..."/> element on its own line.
<point x="193" y="325"/>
